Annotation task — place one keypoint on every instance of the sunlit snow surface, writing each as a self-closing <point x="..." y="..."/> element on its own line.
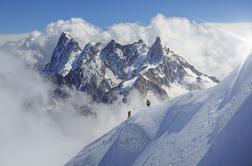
<point x="209" y="127"/>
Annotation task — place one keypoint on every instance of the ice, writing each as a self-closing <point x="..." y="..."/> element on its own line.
<point x="110" y="76"/>
<point x="68" y="66"/>
<point x="129" y="83"/>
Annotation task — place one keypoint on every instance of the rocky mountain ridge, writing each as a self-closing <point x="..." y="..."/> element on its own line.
<point x="111" y="71"/>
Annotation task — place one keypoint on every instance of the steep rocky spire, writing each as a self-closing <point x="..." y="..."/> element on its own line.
<point x="155" y="54"/>
<point x="140" y="41"/>
<point x="66" y="46"/>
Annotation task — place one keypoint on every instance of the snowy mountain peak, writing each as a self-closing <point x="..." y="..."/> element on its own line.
<point x="63" y="55"/>
<point x="110" y="71"/>
<point x="140" y="41"/>
<point x="112" y="45"/>
<point x="158" y="40"/>
<point x="156" y="54"/>
<point x="66" y="34"/>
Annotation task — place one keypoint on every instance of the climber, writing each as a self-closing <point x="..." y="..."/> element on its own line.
<point x="129" y="114"/>
<point x="148" y="103"/>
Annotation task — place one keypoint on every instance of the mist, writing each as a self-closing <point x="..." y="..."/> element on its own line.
<point x="36" y="129"/>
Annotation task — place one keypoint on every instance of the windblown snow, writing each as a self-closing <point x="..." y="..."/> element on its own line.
<point x="205" y="127"/>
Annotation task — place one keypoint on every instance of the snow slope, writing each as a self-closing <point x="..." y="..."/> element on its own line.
<point x="208" y="127"/>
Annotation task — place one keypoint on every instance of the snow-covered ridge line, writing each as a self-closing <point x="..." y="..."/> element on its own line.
<point x="204" y="128"/>
<point x="149" y="69"/>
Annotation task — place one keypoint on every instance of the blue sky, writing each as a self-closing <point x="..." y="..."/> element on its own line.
<point x="18" y="16"/>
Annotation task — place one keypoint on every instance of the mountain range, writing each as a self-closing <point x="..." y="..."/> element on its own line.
<point x="110" y="71"/>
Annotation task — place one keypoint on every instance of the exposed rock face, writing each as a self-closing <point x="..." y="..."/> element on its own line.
<point x="111" y="71"/>
<point x="156" y="54"/>
<point x="63" y="54"/>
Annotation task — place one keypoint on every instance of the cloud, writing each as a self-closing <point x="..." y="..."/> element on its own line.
<point x="11" y="37"/>
<point x="205" y="45"/>
<point x="38" y="130"/>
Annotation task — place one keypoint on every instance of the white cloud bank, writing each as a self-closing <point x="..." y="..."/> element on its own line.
<point x="12" y="37"/>
<point x="34" y="130"/>
<point x="207" y="46"/>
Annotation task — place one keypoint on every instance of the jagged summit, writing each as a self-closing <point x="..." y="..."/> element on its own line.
<point x="63" y="55"/>
<point x="66" y="34"/>
<point x="140" y="41"/>
<point x="110" y="71"/>
<point x="156" y="53"/>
